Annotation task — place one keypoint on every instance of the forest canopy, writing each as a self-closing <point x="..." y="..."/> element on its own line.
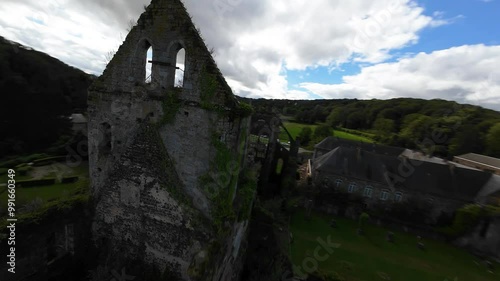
<point x="452" y="128"/>
<point x="38" y="95"/>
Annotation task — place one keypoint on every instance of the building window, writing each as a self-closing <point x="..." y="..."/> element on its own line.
<point x="180" y="63"/>
<point x="326" y="183"/>
<point x="149" y="65"/>
<point x="384" y="195"/>
<point x="368" y="191"/>
<point x="143" y="62"/>
<point x="338" y="182"/>
<point x="398" y="197"/>
<point x="351" y="188"/>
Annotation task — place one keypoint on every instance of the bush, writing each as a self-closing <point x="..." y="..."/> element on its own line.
<point x="465" y="219"/>
<point x="363" y="218"/>
<point x="23" y="171"/>
<point x="33" y="183"/>
<point x="70" y="179"/>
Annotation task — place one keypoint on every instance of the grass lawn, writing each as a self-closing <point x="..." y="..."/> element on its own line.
<point x="295" y="128"/>
<point x="371" y="257"/>
<point x="46" y="193"/>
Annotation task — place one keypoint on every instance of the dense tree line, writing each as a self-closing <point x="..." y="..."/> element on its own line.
<point x="38" y="94"/>
<point x="440" y="127"/>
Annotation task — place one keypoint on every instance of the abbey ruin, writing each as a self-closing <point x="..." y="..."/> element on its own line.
<point x="166" y="155"/>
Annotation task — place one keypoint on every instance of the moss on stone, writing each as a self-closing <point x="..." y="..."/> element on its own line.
<point x="170" y="106"/>
<point x="246" y="194"/>
<point x="79" y="200"/>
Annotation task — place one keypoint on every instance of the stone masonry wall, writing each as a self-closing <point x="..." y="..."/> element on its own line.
<point x="150" y="143"/>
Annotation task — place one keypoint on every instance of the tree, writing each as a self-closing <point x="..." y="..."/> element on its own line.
<point x="305" y="135"/>
<point x="336" y="117"/>
<point x="493" y="141"/>
<point x="384" y="125"/>
<point x="467" y="139"/>
<point x="322" y="131"/>
<point x="356" y="120"/>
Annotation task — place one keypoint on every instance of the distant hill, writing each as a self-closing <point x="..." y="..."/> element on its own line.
<point x="38" y="93"/>
<point x="446" y="127"/>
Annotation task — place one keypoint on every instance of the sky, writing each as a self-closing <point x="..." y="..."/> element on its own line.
<point x="298" y="49"/>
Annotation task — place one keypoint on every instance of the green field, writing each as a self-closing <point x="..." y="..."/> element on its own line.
<point x="371" y="257"/>
<point x="44" y="193"/>
<point x="295" y="128"/>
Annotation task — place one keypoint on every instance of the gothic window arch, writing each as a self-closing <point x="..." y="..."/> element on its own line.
<point x="177" y="65"/>
<point x="143" y="68"/>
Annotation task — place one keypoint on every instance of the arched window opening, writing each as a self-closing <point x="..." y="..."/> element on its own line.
<point x="368" y="192"/>
<point x="105" y="144"/>
<point x="352" y="187"/>
<point x="398" y="197"/>
<point x="384" y="195"/>
<point x="338" y="182"/>
<point x="180" y="66"/>
<point x="149" y="65"/>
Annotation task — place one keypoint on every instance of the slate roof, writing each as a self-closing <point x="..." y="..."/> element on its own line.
<point x="482" y="159"/>
<point x="434" y="179"/>
<point x="332" y="142"/>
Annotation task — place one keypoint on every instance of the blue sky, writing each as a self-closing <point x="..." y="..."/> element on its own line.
<point x="470" y="22"/>
<point x="298" y="49"/>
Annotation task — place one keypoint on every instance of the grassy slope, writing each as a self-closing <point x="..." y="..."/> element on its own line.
<point x="368" y="257"/>
<point x="295" y="128"/>
<point x="46" y="193"/>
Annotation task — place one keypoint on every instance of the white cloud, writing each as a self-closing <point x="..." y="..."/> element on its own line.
<point x="467" y="74"/>
<point x="255" y="41"/>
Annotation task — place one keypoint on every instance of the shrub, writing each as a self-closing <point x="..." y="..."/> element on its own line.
<point x="363" y="218"/>
<point x="33" y="183"/>
<point x="24" y="170"/>
<point x="70" y="179"/>
<point x="465" y="219"/>
<point x="32" y="206"/>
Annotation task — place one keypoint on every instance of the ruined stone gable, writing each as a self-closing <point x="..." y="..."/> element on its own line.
<point x="154" y="147"/>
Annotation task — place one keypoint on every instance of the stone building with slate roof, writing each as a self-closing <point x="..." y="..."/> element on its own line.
<point x="385" y="175"/>
<point x="478" y="161"/>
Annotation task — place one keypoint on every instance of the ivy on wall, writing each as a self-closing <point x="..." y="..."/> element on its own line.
<point x="170" y="106"/>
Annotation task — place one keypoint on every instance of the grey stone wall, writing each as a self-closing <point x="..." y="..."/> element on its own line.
<point x="150" y="143"/>
<point x="436" y="205"/>
<point x="51" y="247"/>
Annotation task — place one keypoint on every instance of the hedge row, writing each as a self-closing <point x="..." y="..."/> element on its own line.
<point x="32" y="183"/>
<point x="48" y="160"/>
<point x="9" y="164"/>
<point x="70" y="179"/>
<point x="47" y="181"/>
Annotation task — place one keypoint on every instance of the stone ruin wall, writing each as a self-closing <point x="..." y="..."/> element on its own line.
<point x="151" y="142"/>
